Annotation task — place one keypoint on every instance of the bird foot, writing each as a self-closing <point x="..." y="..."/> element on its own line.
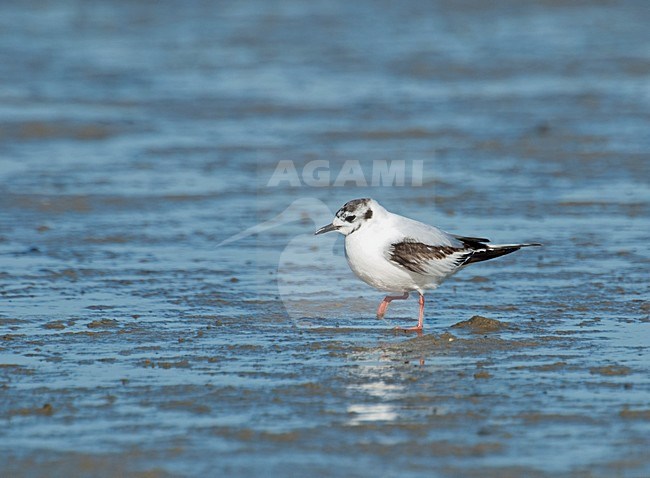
<point x="417" y="328"/>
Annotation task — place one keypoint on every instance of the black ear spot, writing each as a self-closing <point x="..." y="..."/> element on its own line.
<point x="350" y="218"/>
<point x="368" y="214"/>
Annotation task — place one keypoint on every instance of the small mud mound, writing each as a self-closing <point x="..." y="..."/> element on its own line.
<point x="480" y="325"/>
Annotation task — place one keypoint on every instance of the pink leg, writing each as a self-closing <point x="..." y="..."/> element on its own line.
<point x="387" y="300"/>
<point x="417" y="328"/>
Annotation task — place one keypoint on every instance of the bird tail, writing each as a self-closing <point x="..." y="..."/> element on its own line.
<point x="492" y="251"/>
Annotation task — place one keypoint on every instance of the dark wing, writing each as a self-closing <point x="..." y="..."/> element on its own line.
<point x="480" y="251"/>
<point x="490" y="252"/>
<point x="473" y="242"/>
<point x="426" y="258"/>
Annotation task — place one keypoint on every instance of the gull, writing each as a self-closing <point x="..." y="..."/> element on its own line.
<point x="399" y="255"/>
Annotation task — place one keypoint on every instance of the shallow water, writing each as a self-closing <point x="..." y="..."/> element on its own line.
<point x="136" y="138"/>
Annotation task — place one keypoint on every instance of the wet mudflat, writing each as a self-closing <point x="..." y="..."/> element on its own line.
<point x="135" y="139"/>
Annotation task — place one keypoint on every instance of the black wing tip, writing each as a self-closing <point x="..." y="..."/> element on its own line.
<point x="487" y="254"/>
<point x="482" y="242"/>
<point x="473" y="242"/>
<point x="471" y="238"/>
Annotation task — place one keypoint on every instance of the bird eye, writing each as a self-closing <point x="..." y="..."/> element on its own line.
<point x="350" y="218"/>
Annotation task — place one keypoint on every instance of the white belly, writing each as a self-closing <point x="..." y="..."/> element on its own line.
<point x="366" y="259"/>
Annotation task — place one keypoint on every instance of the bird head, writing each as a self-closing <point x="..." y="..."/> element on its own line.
<point x="353" y="215"/>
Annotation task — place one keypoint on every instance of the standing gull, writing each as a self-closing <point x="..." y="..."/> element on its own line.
<point x="398" y="255"/>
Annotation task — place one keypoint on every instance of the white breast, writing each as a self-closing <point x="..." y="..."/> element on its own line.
<point x="365" y="251"/>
